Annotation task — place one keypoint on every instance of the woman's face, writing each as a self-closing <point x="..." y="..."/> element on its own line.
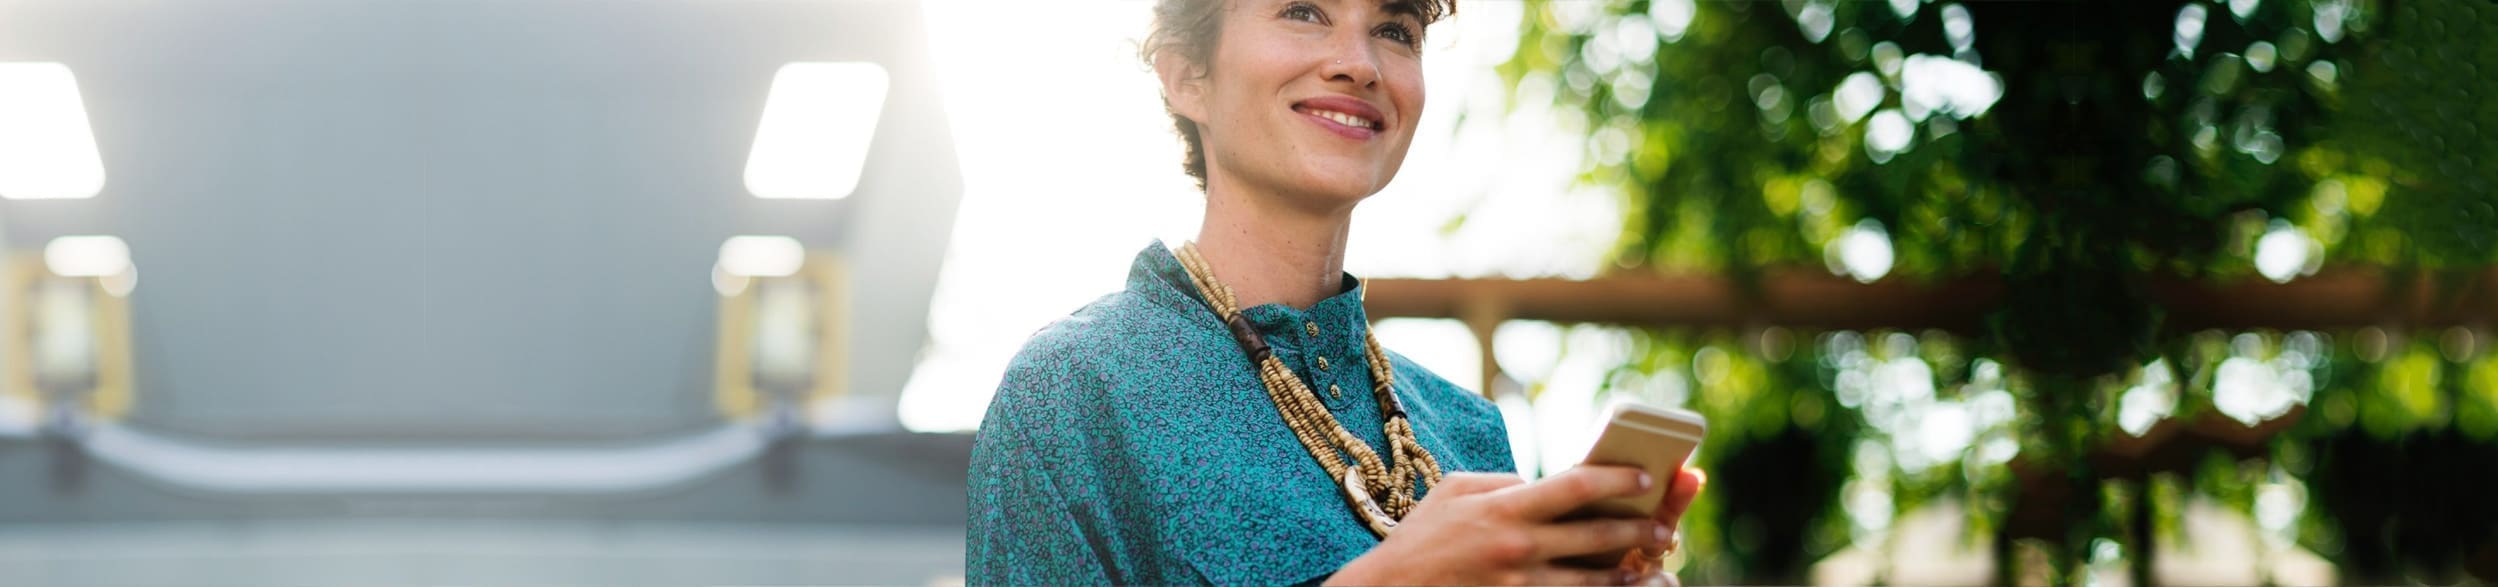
<point x="1311" y="99"/>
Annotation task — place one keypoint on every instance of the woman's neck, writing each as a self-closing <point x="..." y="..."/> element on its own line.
<point x="1270" y="252"/>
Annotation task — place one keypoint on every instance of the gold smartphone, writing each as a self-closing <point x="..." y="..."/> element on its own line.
<point x="1656" y="440"/>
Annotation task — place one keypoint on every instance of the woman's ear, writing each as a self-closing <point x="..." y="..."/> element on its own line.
<point x="1183" y="85"/>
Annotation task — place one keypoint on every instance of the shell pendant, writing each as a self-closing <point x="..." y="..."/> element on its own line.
<point x="1359" y="495"/>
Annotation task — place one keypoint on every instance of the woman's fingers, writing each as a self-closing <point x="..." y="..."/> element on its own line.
<point x="1568" y="539"/>
<point x="1569" y="576"/>
<point x="1686" y="486"/>
<point x="1456" y="484"/>
<point x="1657" y="580"/>
<point x="1560" y="493"/>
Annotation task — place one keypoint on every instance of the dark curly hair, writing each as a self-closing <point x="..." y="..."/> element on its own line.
<point x="1192" y="27"/>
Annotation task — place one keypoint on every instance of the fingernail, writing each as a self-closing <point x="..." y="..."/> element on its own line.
<point x="1646" y="481"/>
<point x="1662" y="533"/>
<point x="1625" y="578"/>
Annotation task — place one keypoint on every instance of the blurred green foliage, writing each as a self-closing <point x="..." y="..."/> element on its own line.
<point x="2076" y="150"/>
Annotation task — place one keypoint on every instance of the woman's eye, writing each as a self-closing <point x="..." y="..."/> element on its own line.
<point x="1302" y="12"/>
<point x="1397" y="32"/>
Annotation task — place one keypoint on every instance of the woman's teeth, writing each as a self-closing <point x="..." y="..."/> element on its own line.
<point x="1345" y="119"/>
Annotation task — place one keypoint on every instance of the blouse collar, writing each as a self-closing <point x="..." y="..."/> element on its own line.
<point x="1158" y="276"/>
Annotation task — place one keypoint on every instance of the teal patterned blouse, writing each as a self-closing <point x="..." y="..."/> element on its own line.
<point x="1132" y="443"/>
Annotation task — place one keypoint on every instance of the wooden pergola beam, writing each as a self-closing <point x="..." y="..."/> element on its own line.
<point x="1794" y="299"/>
<point x="2339" y="298"/>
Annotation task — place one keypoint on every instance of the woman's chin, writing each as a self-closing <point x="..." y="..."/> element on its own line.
<point x="1342" y="185"/>
<point x="1337" y="194"/>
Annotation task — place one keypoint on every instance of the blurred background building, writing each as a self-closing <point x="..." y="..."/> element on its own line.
<point x="450" y="292"/>
<point x="671" y="292"/>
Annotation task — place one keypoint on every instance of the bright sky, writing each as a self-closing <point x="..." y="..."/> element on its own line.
<point x="1070" y="167"/>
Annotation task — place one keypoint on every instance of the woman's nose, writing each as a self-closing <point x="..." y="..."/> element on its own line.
<point x="1352" y="59"/>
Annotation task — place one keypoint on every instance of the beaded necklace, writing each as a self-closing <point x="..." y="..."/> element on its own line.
<point x="1327" y="440"/>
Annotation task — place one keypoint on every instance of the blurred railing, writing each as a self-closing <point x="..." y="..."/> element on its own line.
<point x="2347" y="297"/>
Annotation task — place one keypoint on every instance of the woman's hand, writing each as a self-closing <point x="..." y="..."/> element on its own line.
<point x="1645" y="564"/>
<point x="1477" y="528"/>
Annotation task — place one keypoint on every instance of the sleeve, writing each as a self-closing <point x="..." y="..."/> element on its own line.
<point x="1467" y="422"/>
<point x="1022" y="530"/>
<point x="1498" y="448"/>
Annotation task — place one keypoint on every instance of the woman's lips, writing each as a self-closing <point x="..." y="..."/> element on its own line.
<point x="1329" y="120"/>
<point x="1345" y="116"/>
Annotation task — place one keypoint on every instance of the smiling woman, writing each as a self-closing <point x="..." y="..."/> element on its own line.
<point x="1229" y="417"/>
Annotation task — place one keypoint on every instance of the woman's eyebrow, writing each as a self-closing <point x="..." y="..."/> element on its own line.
<point x="1400" y="8"/>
